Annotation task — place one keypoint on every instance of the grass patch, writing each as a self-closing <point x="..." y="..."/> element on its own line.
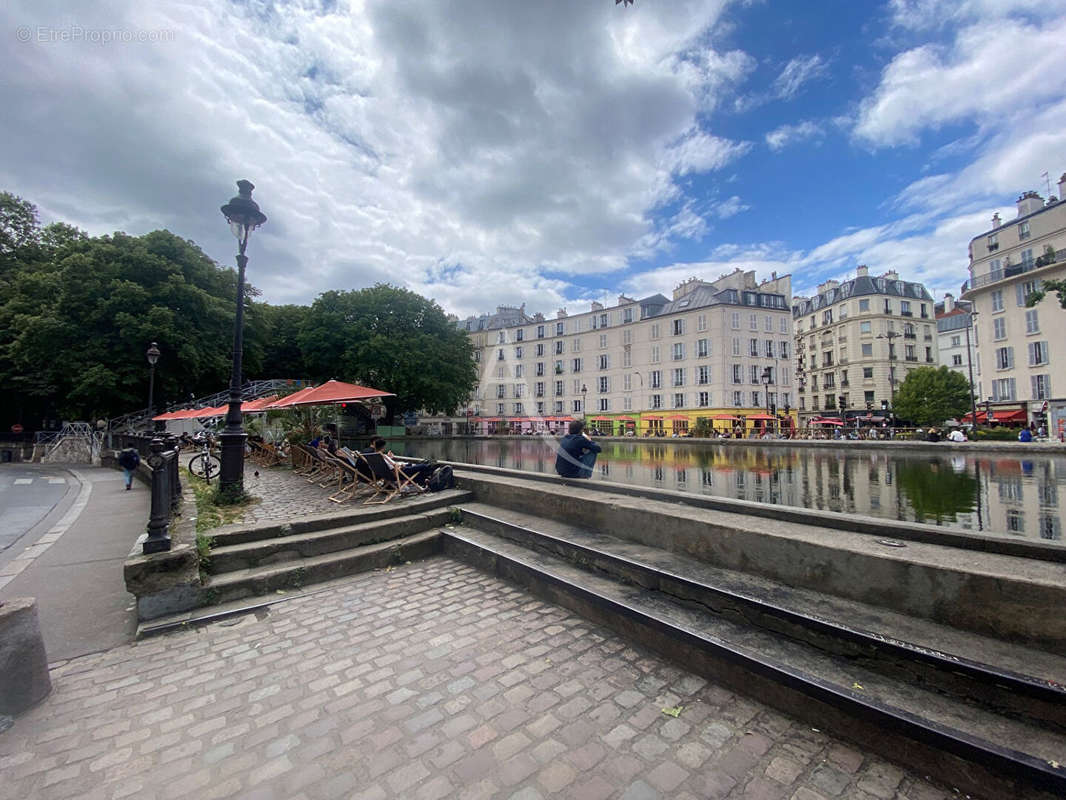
<point x="209" y="512"/>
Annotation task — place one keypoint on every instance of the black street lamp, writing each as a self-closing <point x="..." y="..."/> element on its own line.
<point x="969" y="363"/>
<point x="152" y="354"/>
<point x="584" y="401"/>
<point x="243" y="216"/>
<point x="767" y="379"/>
<point x="890" y="335"/>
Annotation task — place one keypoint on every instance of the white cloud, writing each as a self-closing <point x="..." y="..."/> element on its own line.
<point x="386" y="137"/>
<point x="989" y="74"/>
<point x="797" y="72"/>
<point x="781" y="137"/>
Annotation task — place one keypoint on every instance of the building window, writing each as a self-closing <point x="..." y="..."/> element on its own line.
<point x="738" y="373"/>
<point x="956" y="360"/>
<point x="603" y="361"/>
<point x="1050" y="527"/>
<point x="627" y="358"/>
<point x="1041" y="387"/>
<point x="518" y="408"/>
<point x="559" y="347"/>
<point x="827" y="317"/>
<point x="627" y="382"/>
<point x="518" y="352"/>
<point x="603" y="384"/>
<point x="756" y="399"/>
<point x="1027" y="259"/>
<point x="501" y="408"/>
<point x="956" y="341"/>
<point x="656" y="379"/>
<point x="655" y="332"/>
<point x="540" y="368"/>
<point x="784" y="325"/>
<point x="736" y="321"/>
<point x="603" y="320"/>
<point x="993" y="242"/>
<point x="753" y="322"/>
<point x="703" y="375"/>
<point x="1003" y="389"/>
<point x="656" y="401"/>
<point x="905" y="307"/>
<point x="518" y="371"/>
<point x="577" y="406"/>
<point x="736" y="346"/>
<point x="868" y="397"/>
<point x="703" y="348"/>
<point x="540" y="331"/>
<point x="703" y="399"/>
<point x="753" y="347"/>
<point x="769" y="348"/>
<point x="627" y="337"/>
<point x="1004" y="357"/>
<point x="576" y="365"/>
<point x="679" y="327"/>
<point x="679" y="377"/>
<point x="1032" y="321"/>
<point x="540" y="350"/>
<point x="755" y="374"/>
<point x="627" y="315"/>
<point x="737" y="401"/>
<point x="575" y="346"/>
<point x="1023" y="230"/>
<point x="864" y="305"/>
<point x="560" y="328"/>
<point x="538" y="389"/>
<point x="678" y="351"/>
<point x="867" y="372"/>
<point x="999" y="328"/>
<point x="701" y="322"/>
<point x="866" y="327"/>
<point x="679" y="400"/>
<point x="867" y="350"/>
<point x="997" y="300"/>
<point x="1037" y="354"/>
<point x="655" y="354"/>
<point x="558" y="388"/>
<point x="603" y="340"/>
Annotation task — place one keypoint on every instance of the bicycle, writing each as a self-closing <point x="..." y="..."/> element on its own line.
<point x="205" y="465"/>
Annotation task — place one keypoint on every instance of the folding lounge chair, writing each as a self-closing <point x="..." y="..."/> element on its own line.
<point x="388" y="481"/>
<point x="350" y="479"/>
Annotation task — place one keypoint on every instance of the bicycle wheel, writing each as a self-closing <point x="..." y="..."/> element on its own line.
<point x="205" y="466"/>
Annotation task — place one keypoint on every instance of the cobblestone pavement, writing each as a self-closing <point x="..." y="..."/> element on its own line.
<point x="427" y="681"/>
<point x="283" y="495"/>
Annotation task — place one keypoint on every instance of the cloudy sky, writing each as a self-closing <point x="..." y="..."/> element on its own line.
<point x="547" y="152"/>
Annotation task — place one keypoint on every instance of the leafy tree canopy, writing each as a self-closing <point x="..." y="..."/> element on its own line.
<point x="391" y="339"/>
<point x="1056" y="286"/>
<point x="930" y="395"/>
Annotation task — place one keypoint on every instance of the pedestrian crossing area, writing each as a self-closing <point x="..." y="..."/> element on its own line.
<point x="49" y="480"/>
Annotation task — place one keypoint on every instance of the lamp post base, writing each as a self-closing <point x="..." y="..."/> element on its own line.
<point x="231" y="476"/>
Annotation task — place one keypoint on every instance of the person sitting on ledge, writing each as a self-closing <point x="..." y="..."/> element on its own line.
<point x="577" y="453"/>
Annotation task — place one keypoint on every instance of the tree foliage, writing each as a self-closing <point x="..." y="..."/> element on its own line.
<point x="392" y="339"/>
<point x="930" y="395"/>
<point x="1056" y="286"/>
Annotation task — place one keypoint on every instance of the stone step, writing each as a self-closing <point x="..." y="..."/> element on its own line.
<point x="269" y="578"/>
<point x="967" y="746"/>
<point x="276" y="550"/>
<point x="972" y="668"/>
<point x="1008" y="597"/>
<point x="398" y="507"/>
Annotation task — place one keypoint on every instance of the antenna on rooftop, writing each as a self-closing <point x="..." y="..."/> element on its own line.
<point x="1047" y="180"/>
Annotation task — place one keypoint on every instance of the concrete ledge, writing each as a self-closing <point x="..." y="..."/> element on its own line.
<point x="24" y="677"/>
<point x="1011" y="598"/>
<point x="163" y="583"/>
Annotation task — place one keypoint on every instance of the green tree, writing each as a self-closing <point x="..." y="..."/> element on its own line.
<point x="276" y="329"/>
<point x="930" y="395"/>
<point x="391" y="339"/>
<point x="1056" y="286"/>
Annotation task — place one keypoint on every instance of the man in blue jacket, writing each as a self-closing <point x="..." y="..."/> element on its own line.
<point x="577" y="453"/>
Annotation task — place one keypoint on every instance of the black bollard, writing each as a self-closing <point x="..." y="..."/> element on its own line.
<point x="158" y="539"/>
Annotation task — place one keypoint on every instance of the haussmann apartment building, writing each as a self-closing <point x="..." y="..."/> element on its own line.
<point x="717" y="350"/>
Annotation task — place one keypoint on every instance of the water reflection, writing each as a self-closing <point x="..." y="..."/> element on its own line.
<point x="1009" y="496"/>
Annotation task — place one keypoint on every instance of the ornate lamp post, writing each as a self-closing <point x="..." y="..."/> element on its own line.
<point x="152" y="354"/>
<point x="243" y="216"/>
<point x="584" y="406"/>
<point x="767" y="379"/>
<point x="969" y="363"/>
<point x="890" y="335"/>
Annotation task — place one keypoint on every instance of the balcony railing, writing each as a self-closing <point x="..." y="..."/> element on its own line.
<point x="910" y="336"/>
<point x="906" y="313"/>
<point x="911" y="358"/>
<point x="1014" y="269"/>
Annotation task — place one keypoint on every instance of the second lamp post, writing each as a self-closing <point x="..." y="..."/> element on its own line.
<point x="243" y="216"/>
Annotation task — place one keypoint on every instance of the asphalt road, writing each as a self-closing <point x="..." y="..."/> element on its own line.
<point x="64" y="543"/>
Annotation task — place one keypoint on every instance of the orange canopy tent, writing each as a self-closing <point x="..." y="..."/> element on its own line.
<point x="329" y="393"/>
<point x="762" y="416"/>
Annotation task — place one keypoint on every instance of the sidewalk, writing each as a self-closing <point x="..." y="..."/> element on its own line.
<point x="74" y="567"/>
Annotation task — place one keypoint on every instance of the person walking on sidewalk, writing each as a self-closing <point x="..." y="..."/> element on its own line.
<point x="577" y="453"/>
<point x="129" y="459"/>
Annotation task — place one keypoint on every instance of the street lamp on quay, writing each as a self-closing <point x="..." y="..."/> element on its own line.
<point x="890" y="335"/>
<point x="969" y="363"/>
<point x="584" y="401"/>
<point x="767" y="379"/>
<point x="152" y="354"/>
<point x="243" y="215"/>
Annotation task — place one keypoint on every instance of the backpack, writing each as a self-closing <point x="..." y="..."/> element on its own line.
<point x="441" y="479"/>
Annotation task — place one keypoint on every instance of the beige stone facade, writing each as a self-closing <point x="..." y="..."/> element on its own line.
<point x="855" y="341"/>
<point x="1021" y="350"/>
<point x="652" y="364"/>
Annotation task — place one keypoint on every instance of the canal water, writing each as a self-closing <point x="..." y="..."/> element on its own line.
<point x="990" y="492"/>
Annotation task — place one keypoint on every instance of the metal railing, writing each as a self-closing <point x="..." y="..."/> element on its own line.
<point x="1010" y="271"/>
<point x="166" y="492"/>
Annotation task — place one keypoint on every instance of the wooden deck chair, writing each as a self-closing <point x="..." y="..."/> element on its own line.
<point x="351" y="479"/>
<point x="302" y="462"/>
<point x="388" y="481"/>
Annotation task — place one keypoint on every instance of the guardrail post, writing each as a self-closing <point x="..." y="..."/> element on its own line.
<point x="175" y="468"/>
<point x="159" y="520"/>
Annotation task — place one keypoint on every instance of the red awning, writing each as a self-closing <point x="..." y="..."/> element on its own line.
<point x="725" y="417"/>
<point x="826" y="422"/>
<point x="334" y="391"/>
<point x="761" y="416"/>
<point x="289" y="400"/>
<point x="1017" y="415"/>
<point x="679" y="417"/>
<point x="253" y="406"/>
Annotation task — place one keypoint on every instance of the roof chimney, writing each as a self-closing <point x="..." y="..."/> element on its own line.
<point x="1029" y="202"/>
<point x="597" y="306"/>
<point x="996" y="221"/>
<point x="560" y="314"/>
<point x="891" y="275"/>
<point x="862" y="271"/>
<point x="949" y="303"/>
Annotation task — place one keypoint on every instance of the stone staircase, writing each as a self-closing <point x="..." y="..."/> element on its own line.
<point x="980" y="709"/>
<point x="250" y="562"/>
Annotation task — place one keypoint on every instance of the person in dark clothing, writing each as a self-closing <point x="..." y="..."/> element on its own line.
<point x="129" y="459"/>
<point x="419" y="472"/>
<point x="577" y="453"/>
